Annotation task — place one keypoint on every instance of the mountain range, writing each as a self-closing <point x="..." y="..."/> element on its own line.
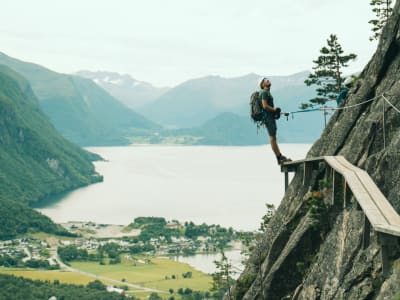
<point x="196" y="101"/>
<point x="131" y="92"/>
<point x="93" y="110"/>
<point x="79" y="109"/>
<point x="210" y="109"/>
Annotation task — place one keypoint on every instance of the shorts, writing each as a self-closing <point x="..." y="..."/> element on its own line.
<point x="270" y="124"/>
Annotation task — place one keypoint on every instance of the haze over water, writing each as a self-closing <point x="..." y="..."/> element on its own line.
<point x="216" y="185"/>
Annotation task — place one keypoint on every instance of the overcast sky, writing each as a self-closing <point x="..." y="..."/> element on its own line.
<point x="166" y="42"/>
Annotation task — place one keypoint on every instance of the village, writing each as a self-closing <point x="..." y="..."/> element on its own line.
<point x="166" y="239"/>
<point x="148" y="242"/>
<point x="27" y="252"/>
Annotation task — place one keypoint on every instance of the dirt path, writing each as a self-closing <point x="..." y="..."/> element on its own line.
<point x="70" y="269"/>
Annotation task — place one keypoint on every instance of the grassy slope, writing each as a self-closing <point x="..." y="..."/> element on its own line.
<point x="150" y="275"/>
<point x="64" y="277"/>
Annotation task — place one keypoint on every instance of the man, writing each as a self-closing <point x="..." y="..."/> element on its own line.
<point x="270" y="113"/>
<point x="343" y="93"/>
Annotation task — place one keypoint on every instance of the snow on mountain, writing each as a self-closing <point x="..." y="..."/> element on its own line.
<point x="133" y="93"/>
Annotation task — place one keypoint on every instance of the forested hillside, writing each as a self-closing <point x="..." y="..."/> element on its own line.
<point x="26" y="289"/>
<point x="36" y="161"/>
<point x="17" y="218"/>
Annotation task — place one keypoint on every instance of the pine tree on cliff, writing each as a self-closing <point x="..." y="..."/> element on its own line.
<point x="382" y="9"/>
<point x="328" y="70"/>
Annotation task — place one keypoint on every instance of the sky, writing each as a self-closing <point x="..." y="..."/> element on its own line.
<point x="166" y="42"/>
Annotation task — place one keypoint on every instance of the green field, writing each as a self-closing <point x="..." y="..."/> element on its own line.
<point x="156" y="274"/>
<point x="151" y="275"/>
<point x="64" y="277"/>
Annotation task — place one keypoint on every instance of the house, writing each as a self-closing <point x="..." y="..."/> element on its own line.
<point x="172" y="225"/>
<point x="110" y="289"/>
<point x="65" y="242"/>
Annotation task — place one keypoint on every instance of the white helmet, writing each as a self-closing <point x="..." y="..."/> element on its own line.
<point x="261" y="80"/>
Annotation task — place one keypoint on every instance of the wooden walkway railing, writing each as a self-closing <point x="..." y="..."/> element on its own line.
<point x="347" y="181"/>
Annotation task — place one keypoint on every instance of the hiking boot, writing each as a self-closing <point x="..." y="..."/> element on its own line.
<point x="282" y="159"/>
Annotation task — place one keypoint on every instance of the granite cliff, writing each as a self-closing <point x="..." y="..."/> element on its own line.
<point x="309" y="255"/>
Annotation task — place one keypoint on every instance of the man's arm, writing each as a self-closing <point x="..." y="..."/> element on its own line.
<point x="266" y="106"/>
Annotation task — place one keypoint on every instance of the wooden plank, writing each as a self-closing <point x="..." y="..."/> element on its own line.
<point x="358" y="190"/>
<point x="292" y="166"/>
<point x="286" y="181"/>
<point x="386" y="241"/>
<point x="360" y="193"/>
<point x="333" y="163"/>
<point x="301" y="161"/>
<point x="285" y="169"/>
<point x="389" y="229"/>
<point x="328" y="172"/>
<point x="345" y="163"/>
<point x="337" y="187"/>
<point x="363" y="197"/>
<point x="307" y="173"/>
<point x="375" y="217"/>
<point x="385" y="260"/>
<point x="379" y="213"/>
<point x="348" y="179"/>
<point x="380" y="200"/>
<point x="348" y="174"/>
<point x="346" y="194"/>
<point x="375" y="194"/>
<point x="367" y="205"/>
<point x="366" y="233"/>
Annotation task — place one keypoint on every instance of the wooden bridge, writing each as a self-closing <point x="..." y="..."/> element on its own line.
<point x="350" y="181"/>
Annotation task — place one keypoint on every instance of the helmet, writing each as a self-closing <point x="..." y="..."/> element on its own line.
<point x="261" y="81"/>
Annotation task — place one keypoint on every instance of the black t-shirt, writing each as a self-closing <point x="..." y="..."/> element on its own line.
<point x="266" y="95"/>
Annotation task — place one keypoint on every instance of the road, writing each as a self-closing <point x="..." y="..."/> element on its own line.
<point x="65" y="267"/>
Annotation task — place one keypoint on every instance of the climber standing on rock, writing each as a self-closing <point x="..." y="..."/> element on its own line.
<point x="270" y="115"/>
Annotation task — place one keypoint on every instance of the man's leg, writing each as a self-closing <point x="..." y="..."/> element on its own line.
<point x="274" y="145"/>
<point x="271" y="127"/>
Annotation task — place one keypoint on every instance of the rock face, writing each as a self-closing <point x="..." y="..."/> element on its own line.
<point x="313" y="252"/>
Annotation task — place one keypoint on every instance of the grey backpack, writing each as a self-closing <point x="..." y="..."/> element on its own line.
<point x="256" y="110"/>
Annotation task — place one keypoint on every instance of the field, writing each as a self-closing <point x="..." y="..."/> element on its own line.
<point x="62" y="276"/>
<point x="156" y="274"/>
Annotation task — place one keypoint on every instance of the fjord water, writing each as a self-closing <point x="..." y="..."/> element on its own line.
<point x="216" y="185"/>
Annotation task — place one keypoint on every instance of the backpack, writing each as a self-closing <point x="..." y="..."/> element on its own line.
<point x="256" y="110"/>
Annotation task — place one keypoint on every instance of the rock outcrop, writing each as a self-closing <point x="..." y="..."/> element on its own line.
<point x="309" y="255"/>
